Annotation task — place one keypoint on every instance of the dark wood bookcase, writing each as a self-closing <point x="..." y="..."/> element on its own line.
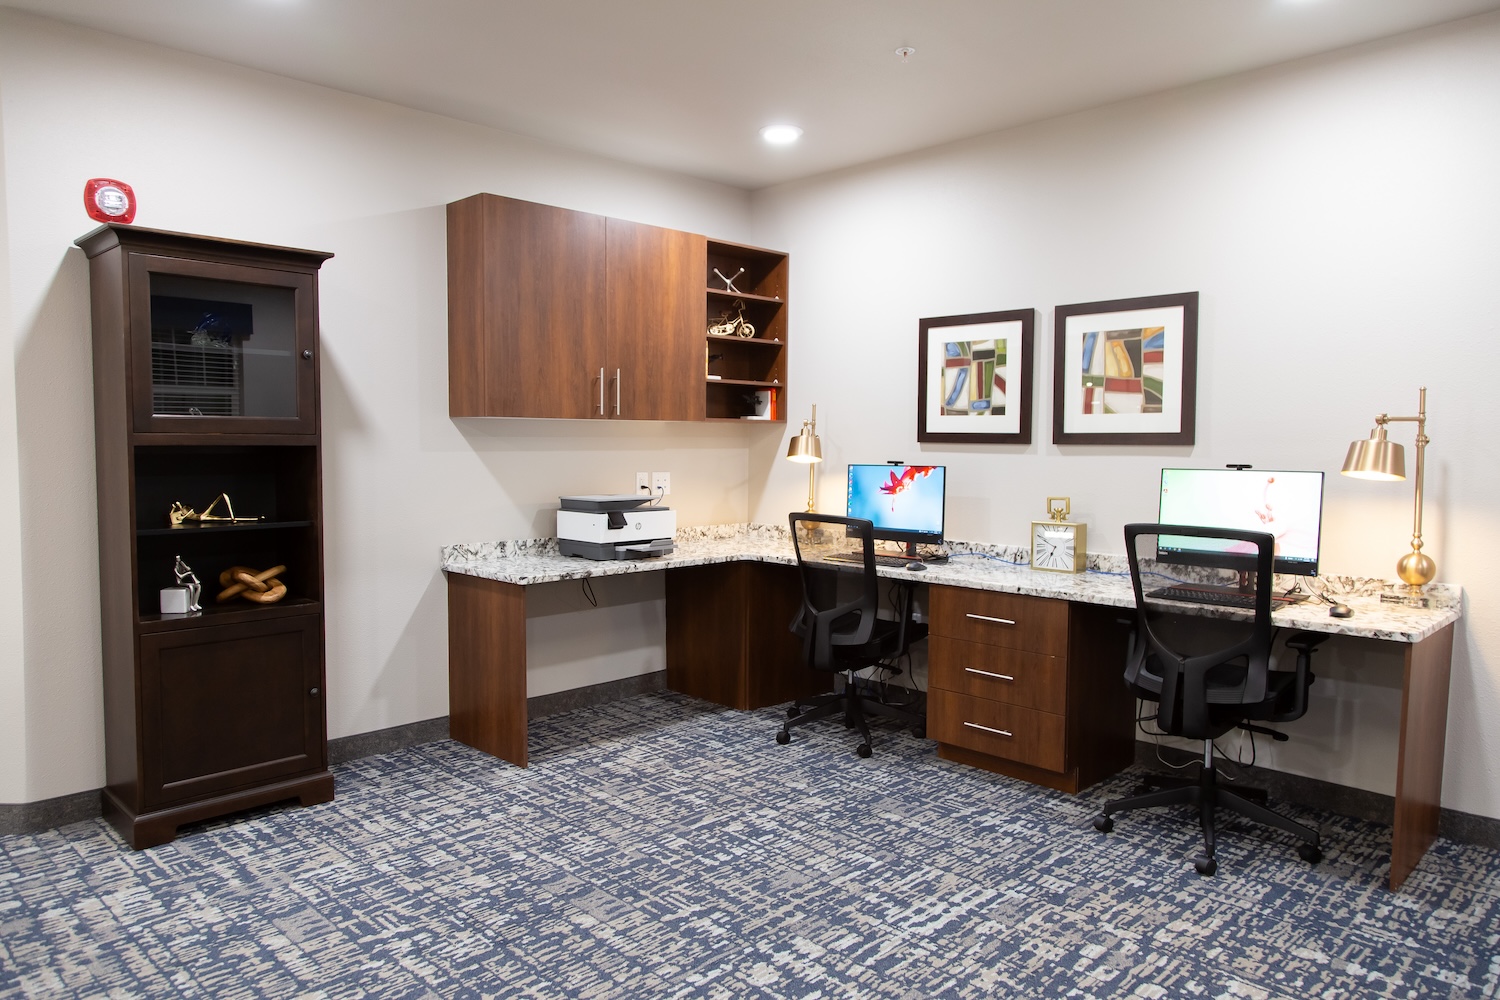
<point x="206" y="382"/>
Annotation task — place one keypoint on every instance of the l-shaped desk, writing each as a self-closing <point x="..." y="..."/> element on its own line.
<point x="1060" y="716"/>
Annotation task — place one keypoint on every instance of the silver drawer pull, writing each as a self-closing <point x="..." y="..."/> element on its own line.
<point x="987" y="618"/>
<point x="988" y="729"/>
<point x="987" y="673"/>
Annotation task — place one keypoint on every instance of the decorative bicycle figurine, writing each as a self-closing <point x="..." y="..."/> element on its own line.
<point x="735" y="326"/>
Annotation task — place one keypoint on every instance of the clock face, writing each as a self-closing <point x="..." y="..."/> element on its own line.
<point x="1052" y="547"/>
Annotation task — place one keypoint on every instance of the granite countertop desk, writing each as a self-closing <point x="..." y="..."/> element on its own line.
<point x="972" y="565"/>
<point x="487" y="641"/>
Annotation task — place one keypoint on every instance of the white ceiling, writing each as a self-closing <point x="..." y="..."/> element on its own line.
<point x="685" y="85"/>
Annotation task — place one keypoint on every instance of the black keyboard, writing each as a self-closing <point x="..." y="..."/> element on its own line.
<point x="1219" y="596"/>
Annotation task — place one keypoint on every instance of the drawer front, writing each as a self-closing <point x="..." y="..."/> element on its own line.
<point x="999" y="673"/>
<point x="1000" y="730"/>
<point x="1038" y="624"/>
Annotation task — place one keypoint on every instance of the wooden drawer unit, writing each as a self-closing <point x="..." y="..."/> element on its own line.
<point x="990" y="727"/>
<point x="1030" y="687"/>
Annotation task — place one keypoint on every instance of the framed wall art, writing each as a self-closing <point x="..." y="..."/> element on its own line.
<point x="974" y="378"/>
<point x="1125" y="371"/>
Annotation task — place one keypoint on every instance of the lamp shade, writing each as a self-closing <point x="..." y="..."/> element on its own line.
<point x="805" y="447"/>
<point x="1375" y="457"/>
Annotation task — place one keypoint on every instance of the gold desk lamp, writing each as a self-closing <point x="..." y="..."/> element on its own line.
<point x="1377" y="458"/>
<point x="806" y="448"/>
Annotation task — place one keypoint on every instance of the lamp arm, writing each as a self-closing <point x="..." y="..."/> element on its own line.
<point x="1422" y="441"/>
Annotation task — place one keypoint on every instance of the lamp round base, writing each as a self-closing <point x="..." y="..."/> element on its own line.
<point x="1416" y="568"/>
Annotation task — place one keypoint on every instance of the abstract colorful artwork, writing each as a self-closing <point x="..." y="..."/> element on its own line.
<point x="1124" y="371"/>
<point x="974" y="382"/>
<point x="974" y="377"/>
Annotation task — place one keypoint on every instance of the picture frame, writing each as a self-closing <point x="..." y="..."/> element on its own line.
<point x="974" y="374"/>
<point x="1125" y="371"/>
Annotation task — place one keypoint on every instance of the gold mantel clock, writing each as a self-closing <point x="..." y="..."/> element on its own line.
<point x="1057" y="544"/>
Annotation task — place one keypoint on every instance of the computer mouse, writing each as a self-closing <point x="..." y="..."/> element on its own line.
<point x="1341" y="611"/>
<point x="916" y="567"/>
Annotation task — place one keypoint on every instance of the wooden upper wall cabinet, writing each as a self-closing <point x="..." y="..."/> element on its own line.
<point x="556" y="313"/>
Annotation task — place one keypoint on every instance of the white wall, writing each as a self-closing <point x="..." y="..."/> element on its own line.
<point x="218" y="150"/>
<point x="1338" y="217"/>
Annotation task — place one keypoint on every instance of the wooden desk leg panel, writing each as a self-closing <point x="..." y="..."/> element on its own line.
<point x="1419" y="767"/>
<point x="487" y="666"/>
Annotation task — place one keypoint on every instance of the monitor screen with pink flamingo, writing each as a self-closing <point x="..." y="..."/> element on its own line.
<point x="1288" y="505"/>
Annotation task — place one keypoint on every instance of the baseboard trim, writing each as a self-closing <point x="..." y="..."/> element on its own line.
<point x="48" y="814"/>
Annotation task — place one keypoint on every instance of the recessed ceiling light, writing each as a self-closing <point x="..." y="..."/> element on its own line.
<point x="781" y="135"/>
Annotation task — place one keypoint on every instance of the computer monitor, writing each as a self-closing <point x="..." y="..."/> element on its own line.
<point x="905" y="502"/>
<point x="1289" y="505"/>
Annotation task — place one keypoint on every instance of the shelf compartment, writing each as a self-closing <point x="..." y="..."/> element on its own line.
<point x="745" y="361"/>
<point x="735" y="400"/>
<point x="228" y="613"/>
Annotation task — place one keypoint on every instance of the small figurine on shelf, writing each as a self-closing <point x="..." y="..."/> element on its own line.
<point x="729" y="281"/>
<point x="735" y="326"/>
<point x="186" y="578"/>
<point x="261" y="587"/>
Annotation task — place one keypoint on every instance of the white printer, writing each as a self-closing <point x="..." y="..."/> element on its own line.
<point x="614" y="526"/>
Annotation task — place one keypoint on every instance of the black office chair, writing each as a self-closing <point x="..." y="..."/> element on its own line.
<point x="1206" y="693"/>
<point x="840" y="626"/>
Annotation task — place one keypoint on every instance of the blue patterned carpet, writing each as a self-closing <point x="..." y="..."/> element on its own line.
<point x="660" y="847"/>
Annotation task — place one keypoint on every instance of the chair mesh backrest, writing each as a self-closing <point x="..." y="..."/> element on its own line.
<point x="1178" y="665"/>
<point x="836" y="558"/>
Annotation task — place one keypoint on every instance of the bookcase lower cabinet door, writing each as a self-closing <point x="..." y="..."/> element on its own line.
<point x="231" y="717"/>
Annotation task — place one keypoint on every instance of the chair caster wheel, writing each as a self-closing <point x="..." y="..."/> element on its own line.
<point x="793" y="712"/>
<point x="783" y="737"/>
<point x="1310" y="853"/>
<point x="1104" y="824"/>
<point x="863" y="749"/>
<point x="920" y="732"/>
<point x="1205" y="866"/>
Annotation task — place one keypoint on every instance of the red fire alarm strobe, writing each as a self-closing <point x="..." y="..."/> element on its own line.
<point x="109" y="201"/>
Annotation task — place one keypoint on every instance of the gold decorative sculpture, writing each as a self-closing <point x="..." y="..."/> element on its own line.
<point x="181" y="513"/>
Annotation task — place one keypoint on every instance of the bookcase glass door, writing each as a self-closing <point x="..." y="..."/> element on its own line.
<point x="222" y="349"/>
<point x="224" y="353"/>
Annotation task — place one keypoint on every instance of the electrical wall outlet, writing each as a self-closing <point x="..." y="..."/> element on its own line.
<point x="661" y="483"/>
<point x="643" y="482"/>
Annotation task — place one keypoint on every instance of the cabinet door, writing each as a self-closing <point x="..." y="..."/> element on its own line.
<point x="217" y="347"/>
<point x="656" y="345"/>
<point x="231" y="706"/>
<point x="526" y="314"/>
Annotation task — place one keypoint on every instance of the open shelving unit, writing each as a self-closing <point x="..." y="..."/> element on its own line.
<point x="746" y="374"/>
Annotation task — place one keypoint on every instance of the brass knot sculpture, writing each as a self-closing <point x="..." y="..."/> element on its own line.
<point x="261" y="587"/>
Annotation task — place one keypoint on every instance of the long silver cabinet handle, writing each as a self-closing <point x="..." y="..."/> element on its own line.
<point x="601" y="392"/>
<point x="988" y="673"/>
<point x="988" y="729"/>
<point x="617" y="392"/>
<point x="987" y="618"/>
